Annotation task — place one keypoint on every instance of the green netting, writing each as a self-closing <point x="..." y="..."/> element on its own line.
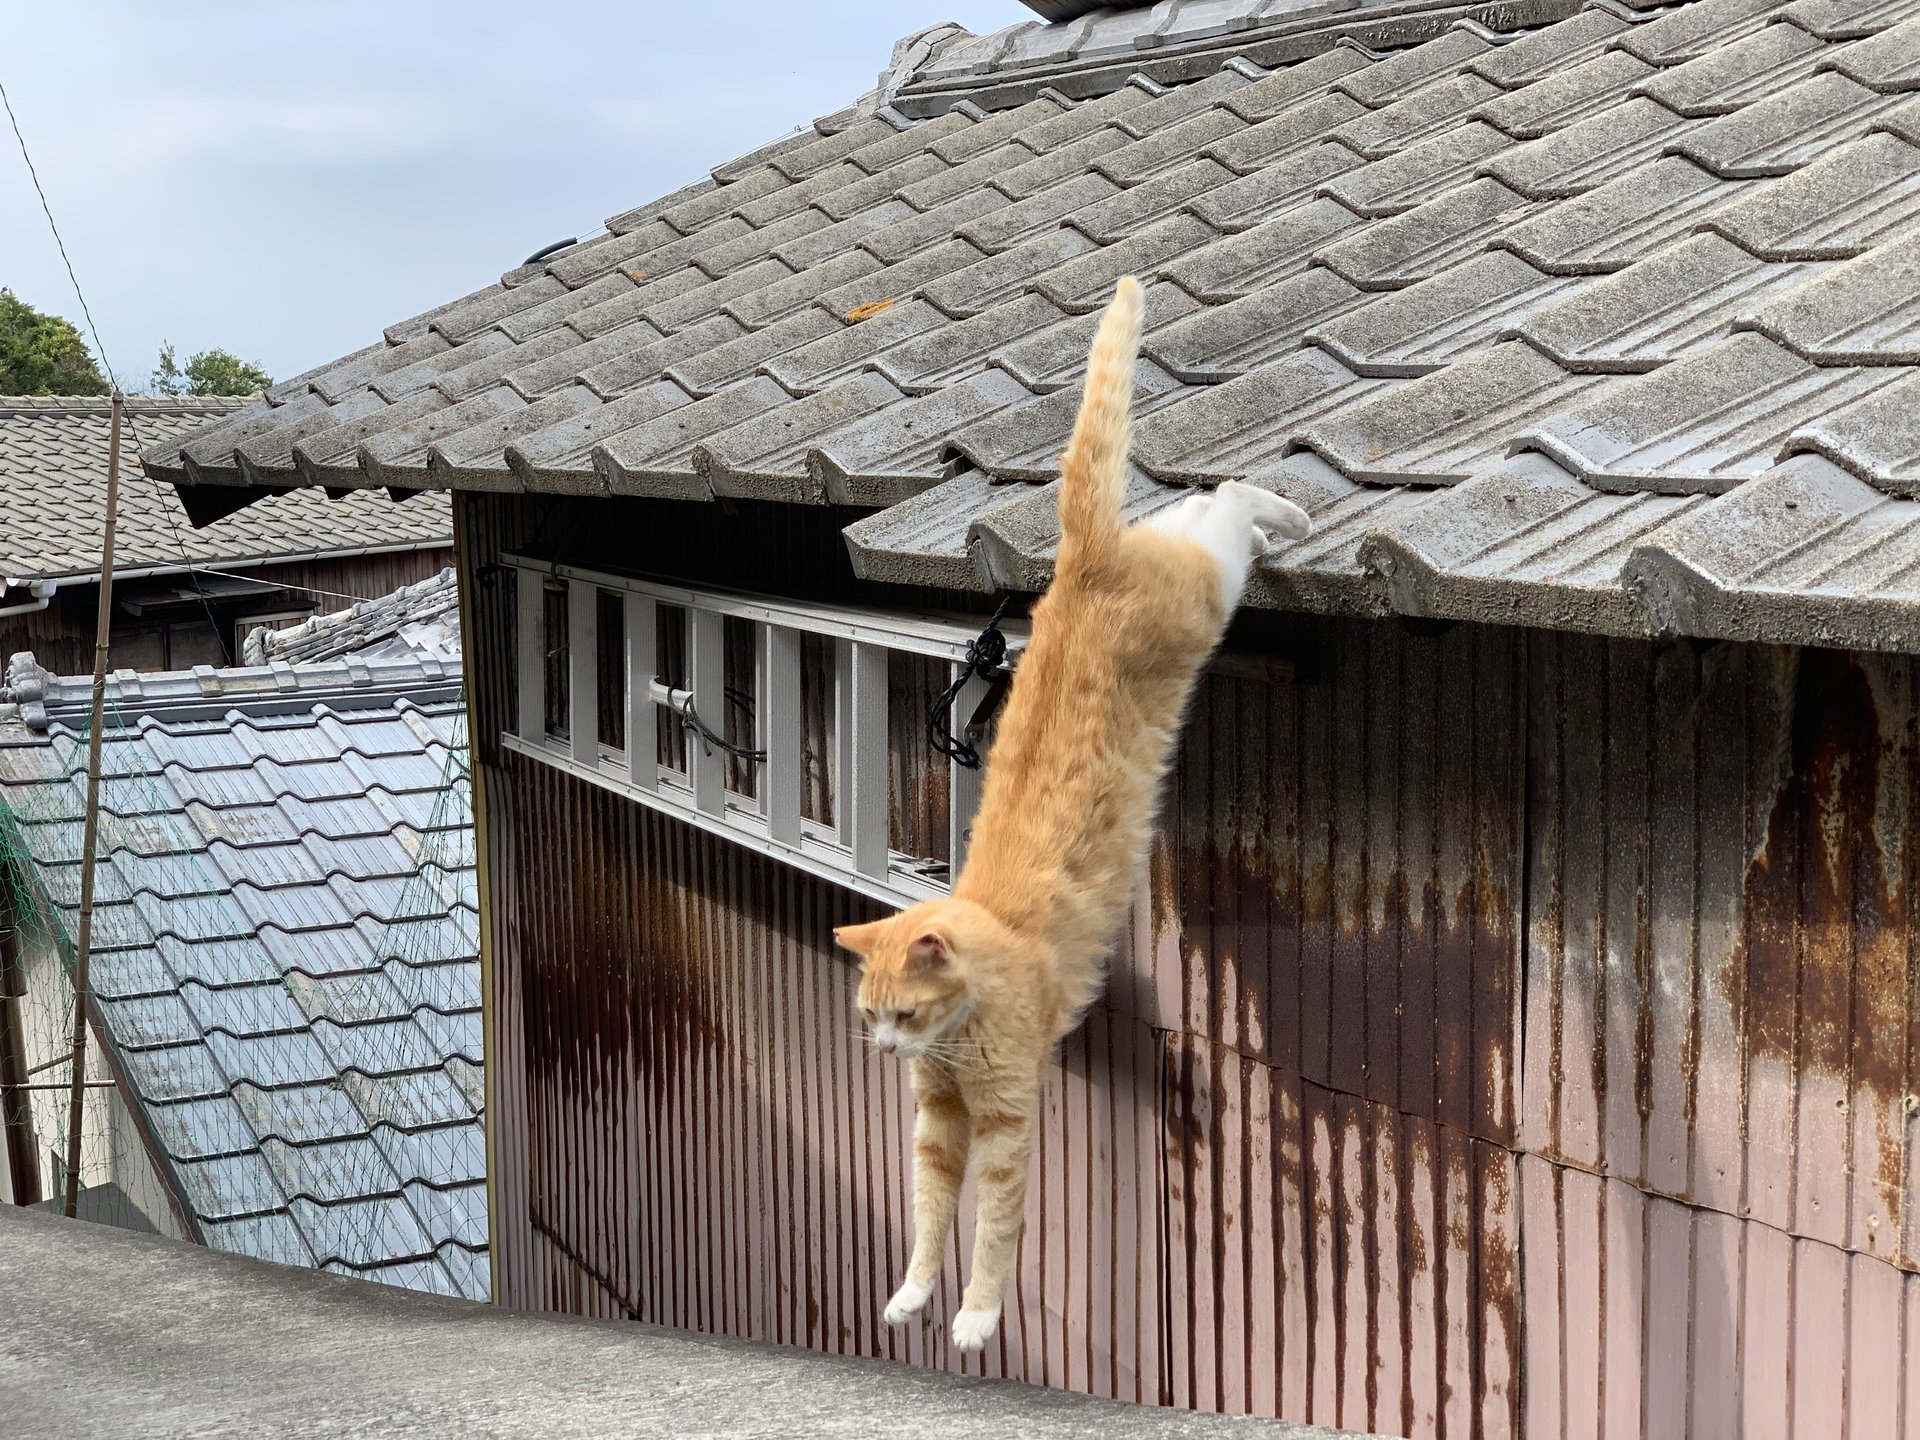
<point x="285" y="969"/>
<point x="41" y="824"/>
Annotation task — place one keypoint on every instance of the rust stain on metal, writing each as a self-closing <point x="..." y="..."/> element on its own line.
<point x="1323" y="918"/>
<point x="1284" y="1167"/>
<point x="1829" y="928"/>
<point x="1819" y="892"/>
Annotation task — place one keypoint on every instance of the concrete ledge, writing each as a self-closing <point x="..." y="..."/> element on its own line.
<point x="104" y="1332"/>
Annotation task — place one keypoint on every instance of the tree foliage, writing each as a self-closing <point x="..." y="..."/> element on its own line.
<point x="43" y="354"/>
<point x="209" y="372"/>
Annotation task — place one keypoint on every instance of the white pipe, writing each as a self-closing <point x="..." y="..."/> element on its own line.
<point x="43" y="591"/>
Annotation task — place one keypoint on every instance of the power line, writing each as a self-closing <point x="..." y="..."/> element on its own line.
<point x="66" y="259"/>
<point x="279" y="584"/>
<point x="113" y="378"/>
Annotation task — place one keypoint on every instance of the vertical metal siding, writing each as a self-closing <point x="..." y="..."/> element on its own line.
<point x="1334" y="899"/>
<point x="1646" y="1316"/>
<point x="713" y="1146"/>
<point x="1720" y="1048"/>
<point x="1514" y="1035"/>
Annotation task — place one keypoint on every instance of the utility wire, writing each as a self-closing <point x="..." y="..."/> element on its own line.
<point x="113" y="377"/>
<point x="282" y="584"/>
<point x="65" y="258"/>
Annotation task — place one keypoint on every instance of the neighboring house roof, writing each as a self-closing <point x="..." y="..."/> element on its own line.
<point x="1604" y="324"/>
<point x="53" y="485"/>
<point x="416" y="619"/>
<point x="285" y="945"/>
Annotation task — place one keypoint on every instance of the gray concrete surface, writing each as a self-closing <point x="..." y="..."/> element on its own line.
<point x="108" y="1333"/>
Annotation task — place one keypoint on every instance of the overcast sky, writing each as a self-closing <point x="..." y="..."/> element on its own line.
<point x="285" y="181"/>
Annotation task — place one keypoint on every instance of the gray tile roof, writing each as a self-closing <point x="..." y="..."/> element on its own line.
<point x="286" y="943"/>
<point x="53" y="478"/>
<point x="1542" y="325"/>
<point x="420" y="619"/>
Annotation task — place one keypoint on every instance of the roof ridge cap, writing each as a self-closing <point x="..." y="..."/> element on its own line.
<point x="59" y="405"/>
<point x="1097" y="52"/>
<point x="274" y="687"/>
<point x="910" y="53"/>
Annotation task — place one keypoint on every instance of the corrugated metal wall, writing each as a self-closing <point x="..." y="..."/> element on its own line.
<point x="1513" y="1038"/>
<point x="1720" y="976"/>
<point x="1333" y="950"/>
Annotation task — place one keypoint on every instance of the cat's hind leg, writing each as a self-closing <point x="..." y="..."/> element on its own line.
<point x="1003" y="1145"/>
<point x="942" y="1140"/>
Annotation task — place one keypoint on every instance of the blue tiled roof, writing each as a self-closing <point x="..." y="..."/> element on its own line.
<point x="286" y="950"/>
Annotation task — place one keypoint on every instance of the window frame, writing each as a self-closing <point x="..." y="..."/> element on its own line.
<point x="853" y="850"/>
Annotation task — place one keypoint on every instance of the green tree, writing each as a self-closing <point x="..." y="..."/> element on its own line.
<point x="43" y="354"/>
<point x="210" y="372"/>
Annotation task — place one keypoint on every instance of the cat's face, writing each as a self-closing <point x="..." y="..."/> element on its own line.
<point x="914" y="987"/>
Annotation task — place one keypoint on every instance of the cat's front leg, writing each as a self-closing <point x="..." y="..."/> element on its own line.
<point x="942" y="1136"/>
<point x="1003" y="1145"/>
<point x="1273" y="517"/>
<point x="1234" y="523"/>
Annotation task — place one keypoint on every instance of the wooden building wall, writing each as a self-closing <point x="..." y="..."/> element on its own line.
<point x="61" y="636"/>
<point x="1514" y="1037"/>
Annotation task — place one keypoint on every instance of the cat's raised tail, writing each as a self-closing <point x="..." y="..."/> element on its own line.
<point x="1093" y="471"/>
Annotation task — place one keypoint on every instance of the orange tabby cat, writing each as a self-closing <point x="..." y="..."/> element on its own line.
<point x="978" y="989"/>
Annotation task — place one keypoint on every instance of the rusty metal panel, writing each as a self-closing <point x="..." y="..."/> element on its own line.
<point x="1721" y="972"/>
<point x="1646" y="1316"/>
<point x="1333" y="1259"/>
<point x="1334" y="955"/>
<point x="1337" y="887"/>
<point x="1721" y="929"/>
<point x="772" y="1195"/>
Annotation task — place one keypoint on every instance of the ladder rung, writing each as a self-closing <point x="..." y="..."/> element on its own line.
<point x="780" y="719"/>
<point x="532" y="605"/>
<point x="868" y="772"/>
<point x="963" y="784"/>
<point x="583" y="670"/>
<point x="643" y="754"/>
<point x="707" y="762"/>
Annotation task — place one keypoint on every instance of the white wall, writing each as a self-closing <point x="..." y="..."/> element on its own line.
<point x="114" y="1164"/>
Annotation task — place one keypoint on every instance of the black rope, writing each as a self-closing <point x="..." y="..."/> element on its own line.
<point x="986" y="652"/>
<point x="709" y="742"/>
<point x="554" y="249"/>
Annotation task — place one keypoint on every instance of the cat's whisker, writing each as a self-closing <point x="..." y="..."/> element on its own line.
<point x="960" y="1047"/>
<point x="956" y="1046"/>
<point x="958" y="1057"/>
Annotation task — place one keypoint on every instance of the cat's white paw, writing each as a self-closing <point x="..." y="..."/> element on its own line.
<point x="908" y="1301"/>
<point x="973" y="1328"/>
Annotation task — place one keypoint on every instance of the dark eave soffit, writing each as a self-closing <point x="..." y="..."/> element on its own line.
<point x="1059" y="10"/>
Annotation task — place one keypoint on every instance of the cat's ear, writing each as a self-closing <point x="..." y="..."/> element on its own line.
<point x="927" y="954"/>
<point x="860" y="938"/>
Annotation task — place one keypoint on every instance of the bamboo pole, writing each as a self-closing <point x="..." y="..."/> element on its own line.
<point x="91" y="829"/>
